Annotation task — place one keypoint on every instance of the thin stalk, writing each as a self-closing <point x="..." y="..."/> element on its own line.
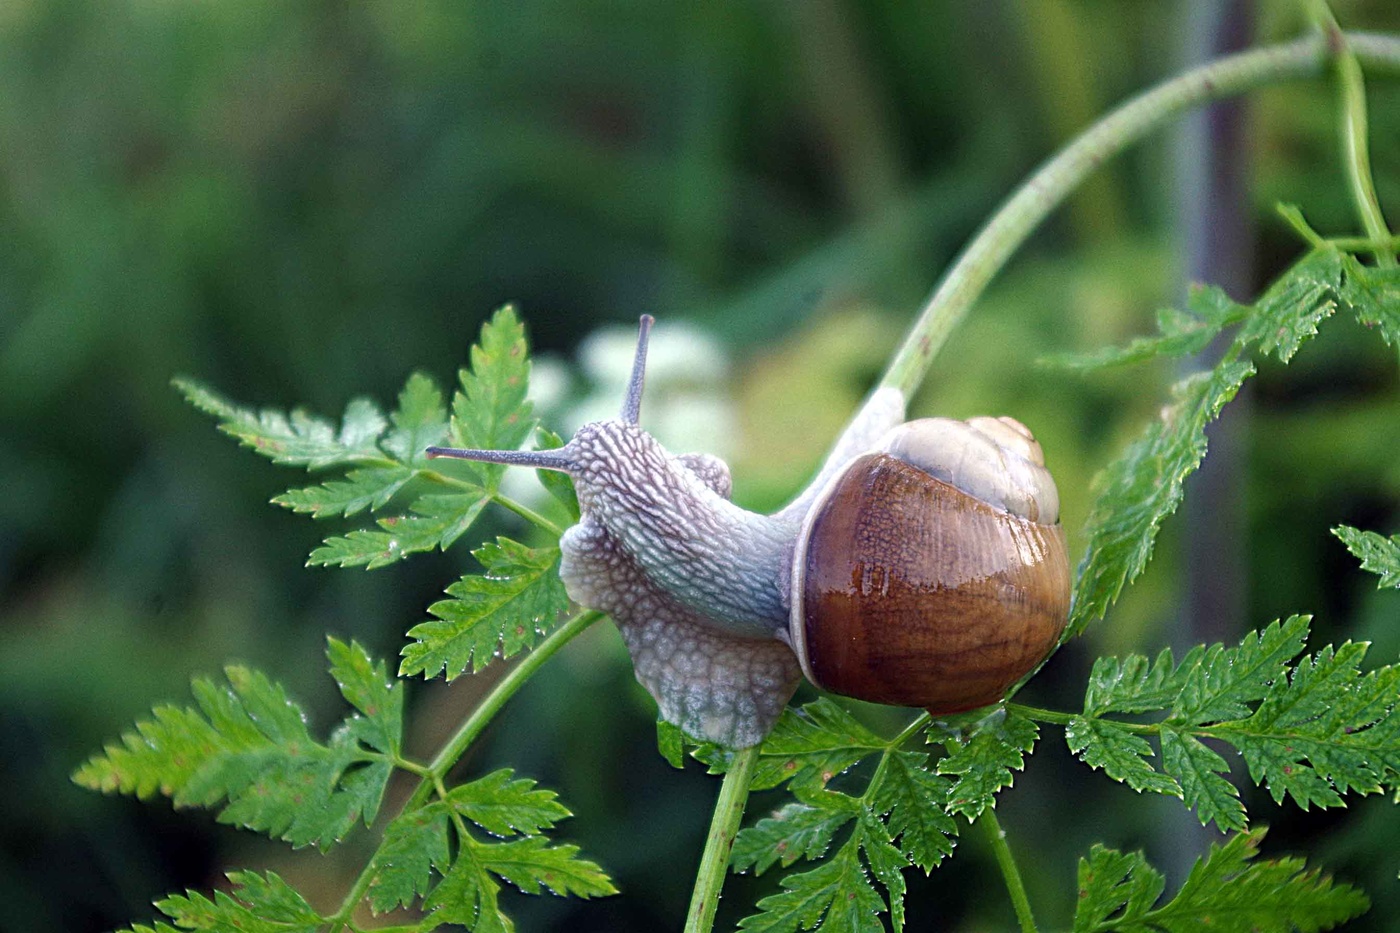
<point x="1058" y="718"/>
<point x="724" y="826"/>
<point x="527" y="513"/>
<point x="1009" y="227"/>
<point x="996" y="838"/>
<point x="1353" y="126"/>
<point x="431" y="778"/>
<point x="497" y="698"/>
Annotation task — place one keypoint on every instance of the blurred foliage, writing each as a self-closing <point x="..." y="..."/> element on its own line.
<point x="305" y="202"/>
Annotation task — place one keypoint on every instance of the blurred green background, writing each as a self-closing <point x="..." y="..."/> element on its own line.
<point x="299" y="202"/>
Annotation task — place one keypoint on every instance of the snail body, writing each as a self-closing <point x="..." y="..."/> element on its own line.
<point x="924" y="566"/>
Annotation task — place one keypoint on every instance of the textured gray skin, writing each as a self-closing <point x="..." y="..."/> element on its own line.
<point x="711" y="684"/>
<point x="705" y="552"/>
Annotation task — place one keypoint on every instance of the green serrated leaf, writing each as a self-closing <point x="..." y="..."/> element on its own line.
<point x="808" y="746"/>
<point x="1224" y="680"/>
<point x="246" y="745"/>
<point x="500" y="613"/>
<point x="533" y="866"/>
<point x="367" y="488"/>
<point x="1114" y="882"/>
<point x="468" y="895"/>
<point x="1287" y="314"/>
<point x="1135" y="685"/>
<point x="1314" y="730"/>
<point x="505" y="806"/>
<point x="1374" y="297"/>
<point x="1198" y="770"/>
<point x="296" y="438"/>
<point x="1138" y="491"/>
<point x="1325" y="731"/>
<point x="984" y="760"/>
<point x="257" y="904"/>
<point x="468" y="892"/>
<point x="437" y="522"/>
<point x="1181" y="333"/>
<point x="415" y="844"/>
<point x="1121" y="754"/>
<point x="1227" y="891"/>
<point x="419" y="422"/>
<point x="886" y="862"/>
<point x="670" y="742"/>
<point x="490" y="409"/>
<point x="1377" y="554"/>
<point x="366" y="684"/>
<point x="795" y="831"/>
<point x="916" y="802"/>
<point x="836" y="894"/>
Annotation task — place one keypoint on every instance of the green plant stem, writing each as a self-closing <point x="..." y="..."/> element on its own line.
<point x="1009" y="227"/>
<point x="527" y="513"/>
<point x="724" y="826"/>
<point x="996" y="838"/>
<point x="1041" y="715"/>
<point x="432" y="777"/>
<point x="1059" y="718"/>
<point x="1353" y="125"/>
<point x="497" y="698"/>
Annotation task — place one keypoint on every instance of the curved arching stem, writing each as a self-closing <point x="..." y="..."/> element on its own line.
<point x="1019" y="216"/>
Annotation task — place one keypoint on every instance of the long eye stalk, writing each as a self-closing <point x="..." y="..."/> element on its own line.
<point x="632" y="402"/>
<point x="538" y="459"/>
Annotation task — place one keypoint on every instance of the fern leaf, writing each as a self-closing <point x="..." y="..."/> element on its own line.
<point x="368" y="488"/>
<point x="490" y="409"/>
<point x="504" y="805"/>
<point x="246" y="745"/>
<point x="1180" y="333"/>
<point x="295" y="438"/>
<point x="984" y="761"/>
<point x="437" y="521"/>
<point x="367" y="686"/>
<point x="415" y="845"/>
<point x="419" y="422"/>
<point x="1311" y="728"/>
<point x="1137" y="492"/>
<point x="498" y="613"/>
<point x="1374" y="296"/>
<point x="915" y="801"/>
<point x="808" y="747"/>
<point x="1227" y="891"/>
<point x="1120" y="753"/>
<point x="1287" y="314"/>
<point x="257" y="904"/>
<point x="837" y="895"/>
<point x="1377" y="554"/>
<point x="796" y="831"/>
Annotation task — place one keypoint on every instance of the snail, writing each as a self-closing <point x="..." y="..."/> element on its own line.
<point x="924" y="566"/>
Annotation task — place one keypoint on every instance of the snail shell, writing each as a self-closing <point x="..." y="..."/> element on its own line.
<point x="932" y="571"/>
